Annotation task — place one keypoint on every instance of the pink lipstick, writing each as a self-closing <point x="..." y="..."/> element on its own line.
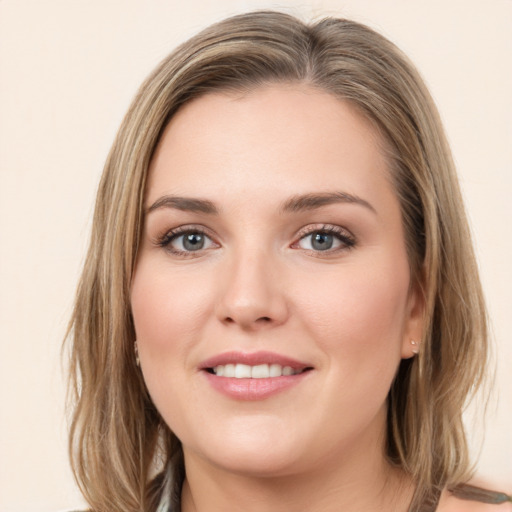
<point x="253" y="376"/>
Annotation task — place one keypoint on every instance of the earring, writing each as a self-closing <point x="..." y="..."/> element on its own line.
<point x="136" y="349"/>
<point x="415" y="348"/>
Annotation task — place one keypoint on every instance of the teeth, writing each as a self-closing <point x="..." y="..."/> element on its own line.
<point x="287" y="370"/>
<point x="260" y="371"/>
<point x="276" y="370"/>
<point x="242" y="371"/>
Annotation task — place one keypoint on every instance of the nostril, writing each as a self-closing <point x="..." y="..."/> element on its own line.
<point x="248" y="321"/>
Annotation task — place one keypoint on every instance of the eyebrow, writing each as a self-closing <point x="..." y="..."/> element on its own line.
<point x="313" y="201"/>
<point x="187" y="204"/>
<point x="298" y="203"/>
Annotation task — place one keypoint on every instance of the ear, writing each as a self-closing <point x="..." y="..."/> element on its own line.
<point x="414" y="321"/>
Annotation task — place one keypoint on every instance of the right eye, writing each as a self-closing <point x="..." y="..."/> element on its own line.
<point x="186" y="241"/>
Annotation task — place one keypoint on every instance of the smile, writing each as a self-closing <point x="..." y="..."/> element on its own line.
<point x="253" y="376"/>
<point x="260" y="371"/>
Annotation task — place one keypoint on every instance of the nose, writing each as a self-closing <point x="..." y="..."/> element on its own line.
<point x="252" y="293"/>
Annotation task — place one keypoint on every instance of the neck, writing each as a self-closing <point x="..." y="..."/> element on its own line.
<point x="307" y="493"/>
<point x="358" y="478"/>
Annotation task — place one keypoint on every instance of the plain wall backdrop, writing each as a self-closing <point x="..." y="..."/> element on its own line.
<point x="68" y="71"/>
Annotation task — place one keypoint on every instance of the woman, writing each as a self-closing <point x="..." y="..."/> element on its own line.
<point x="280" y="307"/>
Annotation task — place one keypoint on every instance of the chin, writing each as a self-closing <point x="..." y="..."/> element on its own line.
<point x="253" y="463"/>
<point x="250" y="449"/>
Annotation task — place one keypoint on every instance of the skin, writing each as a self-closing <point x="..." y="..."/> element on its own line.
<point x="259" y="284"/>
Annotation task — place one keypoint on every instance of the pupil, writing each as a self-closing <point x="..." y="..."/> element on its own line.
<point x="193" y="242"/>
<point x="322" y="241"/>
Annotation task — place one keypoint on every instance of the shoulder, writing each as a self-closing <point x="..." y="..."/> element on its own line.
<point x="474" y="497"/>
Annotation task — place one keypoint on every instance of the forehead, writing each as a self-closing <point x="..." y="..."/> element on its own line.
<point x="292" y="138"/>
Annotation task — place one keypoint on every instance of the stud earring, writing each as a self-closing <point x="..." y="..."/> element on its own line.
<point x="136" y="349"/>
<point x="415" y="348"/>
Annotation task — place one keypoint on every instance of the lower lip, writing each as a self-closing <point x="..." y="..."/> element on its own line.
<point x="254" y="389"/>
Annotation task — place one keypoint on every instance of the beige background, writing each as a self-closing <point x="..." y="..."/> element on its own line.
<point x="68" y="70"/>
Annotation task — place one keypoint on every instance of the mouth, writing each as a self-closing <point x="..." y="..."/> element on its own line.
<point x="253" y="376"/>
<point x="260" y="371"/>
<point x="257" y="365"/>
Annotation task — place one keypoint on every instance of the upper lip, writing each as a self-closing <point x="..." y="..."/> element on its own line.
<point x="252" y="359"/>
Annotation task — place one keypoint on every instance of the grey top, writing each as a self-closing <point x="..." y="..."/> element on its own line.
<point x="165" y="501"/>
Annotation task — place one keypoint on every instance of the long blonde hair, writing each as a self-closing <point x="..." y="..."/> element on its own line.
<point x="118" y="440"/>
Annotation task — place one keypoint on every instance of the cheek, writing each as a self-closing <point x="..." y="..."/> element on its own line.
<point x="167" y="310"/>
<point x="356" y="315"/>
<point x="359" y="313"/>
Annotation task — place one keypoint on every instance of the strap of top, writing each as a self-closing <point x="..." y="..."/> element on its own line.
<point x="469" y="493"/>
<point x="472" y="493"/>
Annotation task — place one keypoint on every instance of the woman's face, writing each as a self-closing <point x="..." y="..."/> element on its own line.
<point x="271" y="297"/>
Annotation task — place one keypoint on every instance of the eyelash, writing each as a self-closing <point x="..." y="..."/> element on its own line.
<point x="168" y="237"/>
<point x="346" y="239"/>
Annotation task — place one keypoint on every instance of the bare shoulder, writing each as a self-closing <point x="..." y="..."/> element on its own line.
<point x="474" y="497"/>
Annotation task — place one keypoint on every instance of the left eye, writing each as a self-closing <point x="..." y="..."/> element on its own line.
<point x="190" y="242"/>
<point x="324" y="241"/>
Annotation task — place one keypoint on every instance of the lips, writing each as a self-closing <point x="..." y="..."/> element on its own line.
<point x="253" y="376"/>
